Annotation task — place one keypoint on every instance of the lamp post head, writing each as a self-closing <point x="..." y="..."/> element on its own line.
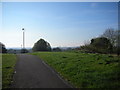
<point x="22" y="28"/>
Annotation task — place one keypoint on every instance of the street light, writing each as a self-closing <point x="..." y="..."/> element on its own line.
<point x="23" y="38"/>
<point x="24" y="50"/>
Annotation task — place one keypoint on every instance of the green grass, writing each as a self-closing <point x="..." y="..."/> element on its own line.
<point x="8" y="63"/>
<point x="84" y="70"/>
<point x="0" y="71"/>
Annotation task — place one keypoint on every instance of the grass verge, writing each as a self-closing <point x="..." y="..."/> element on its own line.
<point x="84" y="70"/>
<point x="0" y="71"/>
<point x="8" y="63"/>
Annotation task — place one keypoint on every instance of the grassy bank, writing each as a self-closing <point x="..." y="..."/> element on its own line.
<point x="85" y="70"/>
<point x="8" y="63"/>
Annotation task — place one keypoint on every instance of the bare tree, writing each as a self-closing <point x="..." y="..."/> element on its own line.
<point x="110" y="33"/>
<point x="114" y="37"/>
<point x="86" y="42"/>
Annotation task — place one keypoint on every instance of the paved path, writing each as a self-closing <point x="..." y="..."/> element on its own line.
<point x="31" y="72"/>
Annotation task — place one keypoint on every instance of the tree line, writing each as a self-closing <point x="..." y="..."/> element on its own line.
<point x="108" y="43"/>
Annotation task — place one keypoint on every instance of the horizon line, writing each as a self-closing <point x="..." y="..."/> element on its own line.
<point x="51" y="47"/>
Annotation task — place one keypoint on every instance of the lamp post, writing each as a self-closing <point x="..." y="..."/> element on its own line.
<point x="23" y="38"/>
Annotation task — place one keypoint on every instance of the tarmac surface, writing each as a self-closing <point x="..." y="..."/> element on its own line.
<point x="31" y="72"/>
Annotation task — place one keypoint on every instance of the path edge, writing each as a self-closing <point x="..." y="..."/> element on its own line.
<point x="55" y="72"/>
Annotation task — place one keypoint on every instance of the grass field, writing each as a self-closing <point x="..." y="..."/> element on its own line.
<point x="84" y="70"/>
<point x="8" y="63"/>
<point x="0" y="71"/>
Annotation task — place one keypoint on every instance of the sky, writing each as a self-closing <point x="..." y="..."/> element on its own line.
<point x="62" y="24"/>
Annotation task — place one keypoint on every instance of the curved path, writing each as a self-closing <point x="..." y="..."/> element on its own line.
<point x="31" y="72"/>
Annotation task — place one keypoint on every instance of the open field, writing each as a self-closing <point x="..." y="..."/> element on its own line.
<point x="85" y="70"/>
<point x="8" y="63"/>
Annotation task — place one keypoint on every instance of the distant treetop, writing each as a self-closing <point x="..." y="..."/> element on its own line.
<point x="2" y="48"/>
<point x="41" y="45"/>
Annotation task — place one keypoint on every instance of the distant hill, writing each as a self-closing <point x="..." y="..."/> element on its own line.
<point x="64" y="48"/>
<point x="17" y="50"/>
